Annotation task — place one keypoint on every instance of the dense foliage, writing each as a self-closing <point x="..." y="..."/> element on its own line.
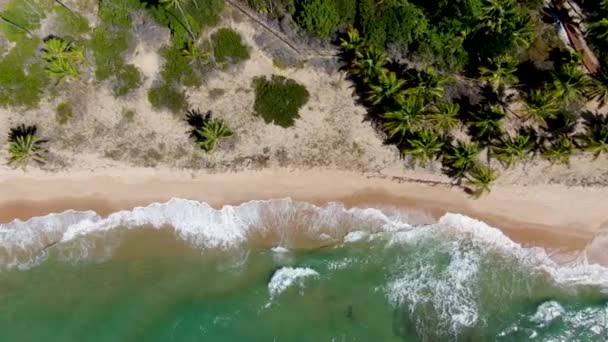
<point x="278" y="100"/>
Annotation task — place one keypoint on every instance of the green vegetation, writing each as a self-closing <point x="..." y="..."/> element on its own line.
<point x="279" y="99"/>
<point x="126" y="80"/>
<point x="24" y="147"/>
<point x="62" y="59"/>
<point x="208" y="132"/>
<point x="70" y="23"/>
<point x="64" y="112"/>
<point x="228" y="47"/>
<point x="480" y="179"/>
<point x="22" y="75"/>
<point x="167" y="97"/>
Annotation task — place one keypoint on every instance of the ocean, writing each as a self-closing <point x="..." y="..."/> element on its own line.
<point x="283" y="270"/>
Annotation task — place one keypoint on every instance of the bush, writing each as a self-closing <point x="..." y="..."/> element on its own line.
<point x="22" y="75"/>
<point x="228" y="47"/>
<point x="126" y="80"/>
<point x="319" y="17"/>
<point x="64" y="112"/>
<point x="165" y="96"/>
<point x="279" y="99"/>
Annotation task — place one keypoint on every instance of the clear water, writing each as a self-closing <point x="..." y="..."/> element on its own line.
<point x="457" y="280"/>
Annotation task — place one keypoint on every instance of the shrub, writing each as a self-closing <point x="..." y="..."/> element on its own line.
<point x="228" y="47"/>
<point x="279" y="99"/>
<point x="64" y="112"/>
<point x="126" y="80"/>
<point x="22" y="75"/>
<point x="319" y="17"/>
<point x="62" y="58"/>
<point x="166" y="96"/>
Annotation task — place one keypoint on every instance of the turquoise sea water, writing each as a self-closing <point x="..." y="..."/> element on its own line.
<point x="286" y="271"/>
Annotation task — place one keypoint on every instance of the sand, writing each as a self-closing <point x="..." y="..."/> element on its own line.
<point x="556" y="217"/>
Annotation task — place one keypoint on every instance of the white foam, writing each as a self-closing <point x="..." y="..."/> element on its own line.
<point x="279" y="249"/>
<point x="285" y="277"/>
<point x="356" y="236"/>
<point x="547" y="312"/>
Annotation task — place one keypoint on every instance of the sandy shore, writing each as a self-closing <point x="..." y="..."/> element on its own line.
<point x="551" y="216"/>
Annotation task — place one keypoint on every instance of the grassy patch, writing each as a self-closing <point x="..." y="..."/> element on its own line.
<point x="279" y="99"/>
<point x="128" y="115"/>
<point x="126" y="80"/>
<point x="111" y="37"/>
<point x="24" y="15"/>
<point x="165" y="96"/>
<point x="22" y="74"/>
<point x="228" y="47"/>
<point x="190" y="20"/>
<point x="64" y="112"/>
<point x="70" y="24"/>
<point x="216" y="93"/>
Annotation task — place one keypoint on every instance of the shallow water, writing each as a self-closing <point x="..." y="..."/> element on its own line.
<point x="286" y="271"/>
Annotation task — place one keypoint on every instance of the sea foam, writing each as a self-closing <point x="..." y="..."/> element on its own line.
<point x="285" y="277"/>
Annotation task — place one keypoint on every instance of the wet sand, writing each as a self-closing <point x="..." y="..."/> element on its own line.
<point x="558" y="218"/>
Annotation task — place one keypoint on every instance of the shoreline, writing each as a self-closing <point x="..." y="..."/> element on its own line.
<point x="553" y="217"/>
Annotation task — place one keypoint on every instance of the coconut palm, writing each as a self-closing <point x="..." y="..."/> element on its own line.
<point x="429" y="84"/>
<point x="597" y="88"/>
<point x="354" y="40"/>
<point x="461" y="157"/>
<point x="541" y="104"/>
<point x="599" y="29"/>
<point x="500" y="72"/>
<point x="405" y="120"/>
<point x="58" y="48"/>
<point x="523" y="30"/>
<point x="62" y="58"/>
<point x="193" y="53"/>
<point x="510" y="150"/>
<point x="570" y="83"/>
<point x="423" y="146"/>
<point x="212" y="133"/>
<point x="388" y="87"/>
<point x="595" y="140"/>
<point x="481" y="178"/>
<point x="178" y="4"/>
<point x="497" y="14"/>
<point x="24" y="146"/>
<point x="369" y="64"/>
<point x="444" y="115"/>
<point x="560" y="150"/>
<point x="487" y="123"/>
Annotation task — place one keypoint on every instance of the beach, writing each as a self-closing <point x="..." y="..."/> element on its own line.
<point x="557" y="217"/>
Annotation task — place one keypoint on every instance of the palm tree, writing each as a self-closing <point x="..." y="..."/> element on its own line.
<point x="193" y="53"/>
<point x="429" y="84"/>
<point x="388" y="87"/>
<point x="496" y="15"/>
<point x="369" y="64"/>
<point x="354" y="40"/>
<point x="595" y="140"/>
<point x="58" y="48"/>
<point x="212" y="133"/>
<point x="24" y="146"/>
<point x="511" y="150"/>
<point x="444" y="115"/>
<point x="570" y="83"/>
<point x="405" y="120"/>
<point x="599" y="29"/>
<point x="500" y="72"/>
<point x="560" y="150"/>
<point x="487" y="123"/>
<point x="169" y="4"/>
<point x="523" y="30"/>
<point x="597" y="89"/>
<point x="541" y="104"/>
<point x="62" y="58"/>
<point x="481" y="178"/>
<point x="423" y="146"/>
<point x="462" y="157"/>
